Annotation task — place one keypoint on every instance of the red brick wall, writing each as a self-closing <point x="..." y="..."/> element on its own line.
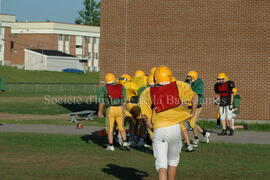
<point x="31" y="41"/>
<point x="7" y="44"/>
<point x="207" y="36"/>
<point x="72" y="45"/>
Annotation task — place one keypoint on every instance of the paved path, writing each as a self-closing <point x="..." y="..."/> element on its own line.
<point x="244" y="137"/>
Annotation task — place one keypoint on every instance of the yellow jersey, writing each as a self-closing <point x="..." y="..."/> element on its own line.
<point x="171" y="116"/>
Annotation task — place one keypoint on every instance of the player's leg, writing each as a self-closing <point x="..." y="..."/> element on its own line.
<point x="233" y="118"/>
<point x="174" y="151"/>
<point x="197" y="128"/>
<point x="223" y="120"/>
<point x="120" y="126"/>
<point x="218" y="119"/>
<point x="131" y="122"/>
<point x="186" y="137"/>
<point x="193" y="125"/>
<point x="229" y="119"/>
<point x="160" y="148"/>
<point x="171" y="172"/>
<point x="110" y="126"/>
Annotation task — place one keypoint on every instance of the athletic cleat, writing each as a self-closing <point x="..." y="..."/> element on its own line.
<point x="206" y="137"/>
<point x="109" y="148"/>
<point x="231" y="132"/>
<point x="190" y="148"/>
<point x="120" y="141"/>
<point x="146" y="145"/>
<point x="196" y="143"/>
<point x="125" y="146"/>
<point x="223" y="133"/>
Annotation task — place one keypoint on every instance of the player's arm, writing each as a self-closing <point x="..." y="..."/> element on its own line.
<point x="217" y="96"/>
<point x="124" y="100"/>
<point x="231" y="86"/>
<point x="149" y="123"/>
<point x="101" y="102"/>
<point x="100" y="110"/>
<point x="232" y="98"/>
<point x="145" y="105"/>
<point x="194" y="104"/>
<point x="188" y="95"/>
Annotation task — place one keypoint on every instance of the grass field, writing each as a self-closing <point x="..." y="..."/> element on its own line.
<point x="95" y="122"/>
<point x="45" y="105"/>
<point x="40" y="106"/>
<point x="32" y="108"/>
<point x="40" y="156"/>
<point x="52" y="89"/>
<point x="13" y="75"/>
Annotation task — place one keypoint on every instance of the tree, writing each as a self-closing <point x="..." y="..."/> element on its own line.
<point x="90" y="15"/>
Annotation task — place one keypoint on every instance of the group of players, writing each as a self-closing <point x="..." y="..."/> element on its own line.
<point x="162" y="108"/>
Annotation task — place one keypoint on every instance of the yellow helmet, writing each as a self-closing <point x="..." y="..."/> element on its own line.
<point x="173" y="79"/>
<point x="235" y="90"/>
<point x="163" y="74"/>
<point x="222" y="76"/>
<point x="150" y="80"/>
<point x="139" y="73"/>
<point x="110" y="78"/>
<point x="153" y="69"/>
<point x="124" y="78"/>
<point x="193" y="74"/>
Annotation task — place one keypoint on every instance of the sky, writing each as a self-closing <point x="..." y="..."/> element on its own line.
<point x="40" y="10"/>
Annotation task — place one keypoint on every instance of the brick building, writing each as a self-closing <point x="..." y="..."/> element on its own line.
<point x="77" y="40"/>
<point x="207" y="36"/>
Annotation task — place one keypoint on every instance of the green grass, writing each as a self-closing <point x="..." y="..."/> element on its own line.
<point x="41" y="156"/>
<point x="13" y="75"/>
<point x="29" y="90"/>
<point x="95" y="122"/>
<point x="32" y="108"/>
<point x="47" y="83"/>
<point x="50" y="105"/>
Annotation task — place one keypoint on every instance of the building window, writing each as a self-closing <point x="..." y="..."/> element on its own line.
<point x="67" y="38"/>
<point x="60" y="37"/>
<point x="96" y="55"/>
<point x="94" y="40"/>
<point x="11" y="44"/>
<point x="89" y="55"/>
<point x="78" y="46"/>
